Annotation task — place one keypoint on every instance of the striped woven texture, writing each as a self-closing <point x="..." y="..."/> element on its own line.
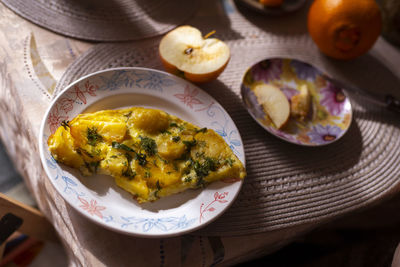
<point x="104" y="20"/>
<point x="287" y="185"/>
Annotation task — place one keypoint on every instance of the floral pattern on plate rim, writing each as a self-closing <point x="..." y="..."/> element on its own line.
<point x="331" y="114"/>
<point x="89" y="89"/>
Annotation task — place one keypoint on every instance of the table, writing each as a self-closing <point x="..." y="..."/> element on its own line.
<point x="34" y="60"/>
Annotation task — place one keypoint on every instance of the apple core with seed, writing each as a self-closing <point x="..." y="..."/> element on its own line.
<point x="185" y="52"/>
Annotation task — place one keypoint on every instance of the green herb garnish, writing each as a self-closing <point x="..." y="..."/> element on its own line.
<point x="176" y="139"/>
<point x="94" y="165"/>
<point x="175" y="165"/>
<point x="202" y="130"/>
<point x="128" y="157"/>
<point x="147" y="174"/>
<point x="158" y="185"/>
<point x="174" y="124"/>
<point x="127" y="115"/>
<point x="65" y="124"/>
<point x="200" y="182"/>
<point x="199" y="154"/>
<point x="190" y="144"/>
<point x="229" y="161"/>
<point x="148" y="145"/>
<point x="92" y="136"/>
<point x="141" y="158"/>
<point x="165" y="131"/>
<point x="203" y="169"/>
<point x="121" y="146"/>
<point x="129" y="174"/>
<point x="163" y="160"/>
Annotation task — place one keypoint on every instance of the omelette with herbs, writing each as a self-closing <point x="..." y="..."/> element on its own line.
<point x="150" y="153"/>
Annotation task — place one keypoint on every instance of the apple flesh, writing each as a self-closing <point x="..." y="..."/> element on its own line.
<point x="301" y="103"/>
<point x="185" y="52"/>
<point x="274" y="103"/>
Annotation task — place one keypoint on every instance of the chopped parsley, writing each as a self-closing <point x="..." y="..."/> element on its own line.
<point x="202" y="130"/>
<point x="128" y="157"/>
<point x="65" y="124"/>
<point x="176" y="168"/>
<point x="158" y="189"/>
<point x="199" y="154"/>
<point x="81" y="152"/>
<point x="174" y="124"/>
<point x="200" y="182"/>
<point x="94" y="165"/>
<point x="127" y="115"/>
<point x="190" y="144"/>
<point x="166" y="131"/>
<point x="203" y="169"/>
<point x="176" y="139"/>
<point x="141" y="158"/>
<point x="158" y="185"/>
<point x="148" y="145"/>
<point x="121" y="146"/>
<point x="163" y="160"/>
<point x="229" y="161"/>
<point x="187" y="179"/>
<point x="129" y="173"/>
<point x="92" y="136"/>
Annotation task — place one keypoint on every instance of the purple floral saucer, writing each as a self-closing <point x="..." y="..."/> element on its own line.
<point x="286" y="7"/>
<point x="330" y="115"/>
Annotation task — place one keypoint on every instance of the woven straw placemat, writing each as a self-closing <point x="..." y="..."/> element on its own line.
<point x="105" y="20"/>
<point x="287" y="185"/>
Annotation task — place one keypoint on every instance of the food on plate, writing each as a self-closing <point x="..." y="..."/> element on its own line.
<point x="274" y="103"/>
<point x="271" y="3"/>
<point x="301" y="103"/>
<point x="150" y="153"/>
<point x="344" y="29"/>
<point x="185" y="52"/>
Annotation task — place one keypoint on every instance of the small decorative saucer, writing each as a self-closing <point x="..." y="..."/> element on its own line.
<point x="330" y="114"/>
<point x="286" y="7"/>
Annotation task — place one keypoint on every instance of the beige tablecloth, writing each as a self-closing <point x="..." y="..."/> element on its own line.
<point x="33" y="60"/>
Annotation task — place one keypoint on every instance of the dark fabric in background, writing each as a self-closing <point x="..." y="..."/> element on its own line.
<point x="8" y="176"/>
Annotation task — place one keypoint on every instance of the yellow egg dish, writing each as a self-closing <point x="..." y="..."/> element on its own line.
<point x="149" y="152"/>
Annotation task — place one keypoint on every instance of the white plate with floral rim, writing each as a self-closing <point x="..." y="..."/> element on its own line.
<point x="98" y="197"/>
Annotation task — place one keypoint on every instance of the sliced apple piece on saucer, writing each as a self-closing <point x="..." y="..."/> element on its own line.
<point x="184" y="51"/>
<point x="274" y="103"/>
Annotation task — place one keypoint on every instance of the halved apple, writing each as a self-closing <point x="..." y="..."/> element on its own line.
<point x="274" y="103"/>
<point x="184" y="51"/>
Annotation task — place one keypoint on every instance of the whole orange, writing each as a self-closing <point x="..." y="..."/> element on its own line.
<point x="344" y="29"/>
